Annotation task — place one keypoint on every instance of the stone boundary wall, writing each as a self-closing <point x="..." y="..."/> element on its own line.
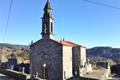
<point x="81" y="78"/>
<point x="14" y="75"/>
<point x="105" y="76"/>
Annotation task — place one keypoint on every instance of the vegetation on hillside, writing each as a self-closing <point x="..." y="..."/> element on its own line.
<point x="112" y="55"/>
<point x="104" y="53"/>
<point x="21" y="52"/>
<point x="96" y="54"/>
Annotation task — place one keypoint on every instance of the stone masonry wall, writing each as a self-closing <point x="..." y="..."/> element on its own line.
<point x="76" y="60"/>
<point x="50" y="53"/>
<point x="79" y="59"/>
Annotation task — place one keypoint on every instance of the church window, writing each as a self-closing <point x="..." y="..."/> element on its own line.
<point x="64" y="74"/>
<point x="51" y="27"/>
<point x="45" y="72"/>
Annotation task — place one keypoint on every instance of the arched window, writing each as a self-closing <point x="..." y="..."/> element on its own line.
<point x="51" y="27"/>
<point x="45" y="72"/>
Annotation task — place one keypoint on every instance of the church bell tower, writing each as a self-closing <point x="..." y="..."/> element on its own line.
<point x="47" y="22"/>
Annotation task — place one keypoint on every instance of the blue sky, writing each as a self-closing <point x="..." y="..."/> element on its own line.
<point x="75" y="20"/>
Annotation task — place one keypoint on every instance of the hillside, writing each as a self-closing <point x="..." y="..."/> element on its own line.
<point x="105" y="53"/>
<point x="20" y="51"/>
<point x="11" y="46"/>
<point x="96" y="53"/>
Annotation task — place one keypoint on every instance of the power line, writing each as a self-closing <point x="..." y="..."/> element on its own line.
<point x="102" y="4"/>
<point x="8" y="19"/>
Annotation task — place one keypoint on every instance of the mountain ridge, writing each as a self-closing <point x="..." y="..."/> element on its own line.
<point x="104" y="52"/>
<point x="99" y="51"/>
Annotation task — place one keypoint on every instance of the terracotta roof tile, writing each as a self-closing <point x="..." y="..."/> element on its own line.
<point x="67" y="43"/>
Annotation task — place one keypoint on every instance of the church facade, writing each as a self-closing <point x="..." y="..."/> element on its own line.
<point x="52" y="59"/>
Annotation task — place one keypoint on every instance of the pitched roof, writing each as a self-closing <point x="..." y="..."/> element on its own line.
<point x="68" y="43"/>
<point x="47" y="6"/>
<point x="62" y="42"/>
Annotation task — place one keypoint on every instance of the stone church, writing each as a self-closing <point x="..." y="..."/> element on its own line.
<point x="52" y="59"/>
